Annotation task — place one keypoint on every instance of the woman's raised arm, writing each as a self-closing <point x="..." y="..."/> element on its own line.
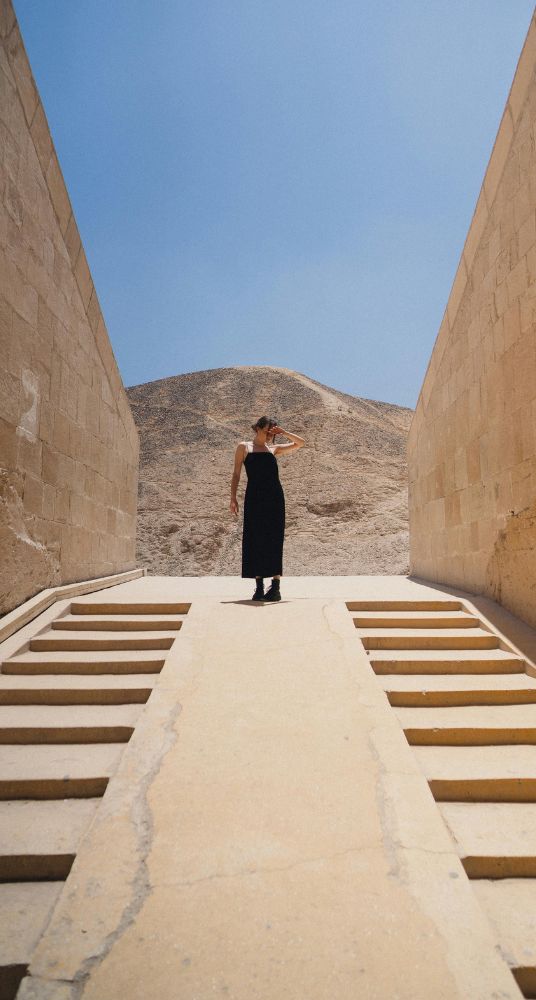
<point x="295" y="441"/>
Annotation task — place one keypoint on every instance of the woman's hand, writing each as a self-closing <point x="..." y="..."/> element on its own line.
<point x="276" y="430"/>
<point x="233" y="506"/>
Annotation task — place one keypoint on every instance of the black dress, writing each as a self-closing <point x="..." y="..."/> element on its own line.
<point x="264" y="517"/>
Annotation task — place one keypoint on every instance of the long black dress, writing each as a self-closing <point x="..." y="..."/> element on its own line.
<point x="264" y="517"/>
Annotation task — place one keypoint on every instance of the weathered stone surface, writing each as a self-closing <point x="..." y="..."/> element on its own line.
<point x="66" y="450"/>
<point x="346" y="499"/>
<point x="24" y="912"/>
<point x="472" y="443"/>
<point x="272" y="833"/>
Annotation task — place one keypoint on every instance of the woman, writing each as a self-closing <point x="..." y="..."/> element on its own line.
<point x="264" y="505"/>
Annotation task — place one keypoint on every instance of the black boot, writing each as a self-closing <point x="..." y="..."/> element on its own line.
<point x="259" y="591"/>
<point x="273" y="594"/>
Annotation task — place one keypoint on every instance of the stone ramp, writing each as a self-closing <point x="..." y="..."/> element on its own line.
<point x="268" y="831"/>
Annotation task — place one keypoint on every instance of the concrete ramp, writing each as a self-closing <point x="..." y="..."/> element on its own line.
<point x="269" y="833"/>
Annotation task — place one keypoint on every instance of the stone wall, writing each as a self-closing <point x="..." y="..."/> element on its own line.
<point x="472" y="442"/>
<point x="68" y="443"/>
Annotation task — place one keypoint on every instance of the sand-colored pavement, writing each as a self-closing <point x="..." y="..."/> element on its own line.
<point x="269" y="832"/>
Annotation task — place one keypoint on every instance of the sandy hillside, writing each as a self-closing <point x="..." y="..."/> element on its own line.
<point x="346" y="492"/>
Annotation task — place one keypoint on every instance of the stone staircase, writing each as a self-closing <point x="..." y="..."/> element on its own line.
<point x="69" y="702"/>
<point x="468" y="707"/>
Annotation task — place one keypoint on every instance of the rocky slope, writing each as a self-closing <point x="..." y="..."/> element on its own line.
<point x="346" y="492"/>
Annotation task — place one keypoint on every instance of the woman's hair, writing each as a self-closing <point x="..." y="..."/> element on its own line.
<point x="263" y="422"/>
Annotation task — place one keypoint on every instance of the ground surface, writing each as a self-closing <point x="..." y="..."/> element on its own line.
<point x="268" y="832"/>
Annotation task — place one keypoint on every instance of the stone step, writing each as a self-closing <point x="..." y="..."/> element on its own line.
<point x="455" y="661"/>
<point x="25" y="910"/>
<point x="448" y="638"/>
<point x="446" y="605"/>
<point x="493" y="839"/>
<point x="72" y="641"/>
<point x="415" y="619"/>
<point x="39" y="840"/>
<point x="469" y="725"/>
<point x="414" y="691"/>
<point x="99" y="662"/>
<point x="511" y="909"/>
<point x="479" y="774"/>
<point x="129" y="608"/>
<point x="116" y="623"/>
<point x="57" y="772"/>
<point x="67" y="723"/>
<point x="49" y="689"/>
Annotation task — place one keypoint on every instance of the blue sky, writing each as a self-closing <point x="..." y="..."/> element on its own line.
<point x="284" y="182"/>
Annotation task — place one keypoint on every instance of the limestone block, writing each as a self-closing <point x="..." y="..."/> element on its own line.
<point x="110" y="364"/>
<point x="498" y="157"/>
<point x="58" y="193"/>
<point x="517" y="281"/>
<point x="473" y="461"/>
<point x="524" y="73"/>
<point x="522" y="485"/>
<point x="11" y="111"/>
<point x="531" y="265"/>
<point x="128" y="501"/>
<point x="10" y="404"/>
<point x="524" y="369"/>
<point x="19" y="294"/>
<point x="62" y="275"/>
<point x="33" y="495"/>
<point x="76" y="447"/>
<point x="46" y="422"/>
<point x="76" y="545"/>
<point x="503" y="493"/>
<point x="93" y="311"/>
<point x="112" y="521"/>
<point x="528" y="310"/>
<point x="72" y="240"/>
<point x="62" y="426"/>
<point x="7" y="18"/>
<point x="41" y="137"/>
<point x="527" y="231"/>
<point x="68" y="392"/>
<point x="50" y="466"/>
<point x="62" y="505"/>
<point x="83" y="277"/>
<point x="49" y="498"/>
<point x="510" y="182"/>
<point x="22" y="73"/>
<point x="29" y="454"/>
<point x="9" y="446"/>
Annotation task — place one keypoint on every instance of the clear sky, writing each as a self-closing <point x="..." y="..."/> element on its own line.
<point x="275" y="182"/>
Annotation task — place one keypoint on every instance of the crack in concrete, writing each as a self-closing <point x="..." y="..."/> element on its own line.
<point x="325" y="615"/>
<point x="246" y="873"/>
<point x="141" y="885"/>
<point x="382" y="800"/>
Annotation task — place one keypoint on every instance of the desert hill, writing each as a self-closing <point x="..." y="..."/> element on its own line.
<point x="346" y="492"/>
